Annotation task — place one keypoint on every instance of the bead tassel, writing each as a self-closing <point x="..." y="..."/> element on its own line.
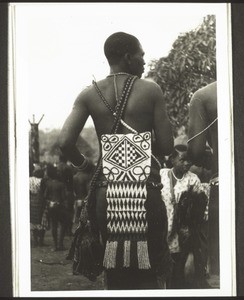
<point x="109" y="261"/>
<point x="127" y="254"/>
<point x="143" y="256"/>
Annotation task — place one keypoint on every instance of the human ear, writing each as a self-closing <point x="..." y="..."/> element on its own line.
<point x="127" y="57"/>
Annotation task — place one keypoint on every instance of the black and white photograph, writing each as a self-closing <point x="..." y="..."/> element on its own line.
<point x="121" y="156"/>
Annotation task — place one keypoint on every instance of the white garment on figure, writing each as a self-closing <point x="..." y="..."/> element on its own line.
<point x="189" y="180"/>
<point x="34" y="184"/>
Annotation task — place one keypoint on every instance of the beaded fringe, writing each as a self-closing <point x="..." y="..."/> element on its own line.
<point x="142" y="254"/>
<point x="126" y="254"/>
<point x="109" y="261"/>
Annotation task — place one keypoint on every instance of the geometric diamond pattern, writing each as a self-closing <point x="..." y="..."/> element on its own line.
<point x="126" y="213"/>
<point x="125" y="154"/>
<point x="126" y="157"/>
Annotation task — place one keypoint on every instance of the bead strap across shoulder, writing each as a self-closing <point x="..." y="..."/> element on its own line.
<point x="102" y="97"/>
<point x="129" y="82"/>
<point x="117" y="117"/>
<point x="114" y="112"/>
<point x="118" y="101"/>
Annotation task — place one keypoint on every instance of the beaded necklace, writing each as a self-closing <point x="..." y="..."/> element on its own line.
<point x="116" y="111"/>
<point x="177" y="179"/>
<point x="117" y="115"/>
<point x="113" y="111"/>
<point x="119" y="73"/>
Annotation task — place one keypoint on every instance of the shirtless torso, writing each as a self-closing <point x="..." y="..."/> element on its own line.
<point x="55" y="191"/>
<point x="203" y="112"/>
<point x="203" y="118"/>
<point x="145" y="112"/>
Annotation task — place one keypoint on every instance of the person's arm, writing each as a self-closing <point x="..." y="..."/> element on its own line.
<point x="197" y="137"/>
<point x="63" y="194"/>
<point x="75" y="187"/>
<point x="71" y="130"/>
<point x="162" y="125"/>
<point x="195" y="182"/>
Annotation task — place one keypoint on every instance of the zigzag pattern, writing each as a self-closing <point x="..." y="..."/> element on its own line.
<point x="125" y="204"/>
<point x="126" y="166"/>
<point x="126" y="190"/>
<point x="126" y="212"/>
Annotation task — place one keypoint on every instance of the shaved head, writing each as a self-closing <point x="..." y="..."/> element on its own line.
<point x="118" y="44"/>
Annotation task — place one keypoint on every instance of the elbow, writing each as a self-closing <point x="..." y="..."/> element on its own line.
<point x="63" y="144"/>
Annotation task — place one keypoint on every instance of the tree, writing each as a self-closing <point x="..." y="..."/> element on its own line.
<point x="190" y="65"/>
<point x="87" y="144"/>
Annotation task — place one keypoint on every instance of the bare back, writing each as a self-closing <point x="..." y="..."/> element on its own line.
<point x="55" y="190"/>
<point x="203" y="113"/>
<point x="145" y="110"/>
<point x="81" y="184"/>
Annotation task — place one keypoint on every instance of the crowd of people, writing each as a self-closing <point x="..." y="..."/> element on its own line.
<point x="151" y="203"/>
<point x="56" y="195"/>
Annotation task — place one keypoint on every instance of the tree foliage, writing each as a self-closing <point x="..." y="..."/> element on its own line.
<point x="190" y="65"/>
<point x="49" y="150"/>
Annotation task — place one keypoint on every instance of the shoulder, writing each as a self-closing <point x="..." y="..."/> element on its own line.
<point x="164" y="171"/>
<point x="196" y="99"/>
<point x="84" y="95"/>
<point x="192" y="176"/>
<point x="149" y="84"/>
<point x="204" y="94"/>
<point x="150" y="90"/>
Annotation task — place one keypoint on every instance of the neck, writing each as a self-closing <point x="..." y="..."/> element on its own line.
<point x="118" y="73"/>
<point x="118" y="69"/>
<point x="177" y="174"/>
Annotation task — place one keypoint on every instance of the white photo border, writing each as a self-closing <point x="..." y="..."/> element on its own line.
<point x="19" y="159"/>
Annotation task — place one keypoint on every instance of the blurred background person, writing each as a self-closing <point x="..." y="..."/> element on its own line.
<point x="65" y="174"/>
<point x="81" y="182"/>
<point x="38" y="214"/>
<point x="55" y="196"/>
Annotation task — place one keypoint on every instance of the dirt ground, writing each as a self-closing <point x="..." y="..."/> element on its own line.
<point x="50" y="271"/>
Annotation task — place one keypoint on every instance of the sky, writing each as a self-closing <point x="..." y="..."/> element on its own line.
<point x="59" y="47"/>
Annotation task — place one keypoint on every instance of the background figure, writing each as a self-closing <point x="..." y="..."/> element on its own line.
<point x="204" y="171"/>
<point x="180" y="188"/>
<point x="57" y="208"/>
<point x="38" y="214"/>
<point x="203" y="131"/>
<point x="145" y="113"/>
<point x="81" y="182"/>
<point x="65" y="174"/>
